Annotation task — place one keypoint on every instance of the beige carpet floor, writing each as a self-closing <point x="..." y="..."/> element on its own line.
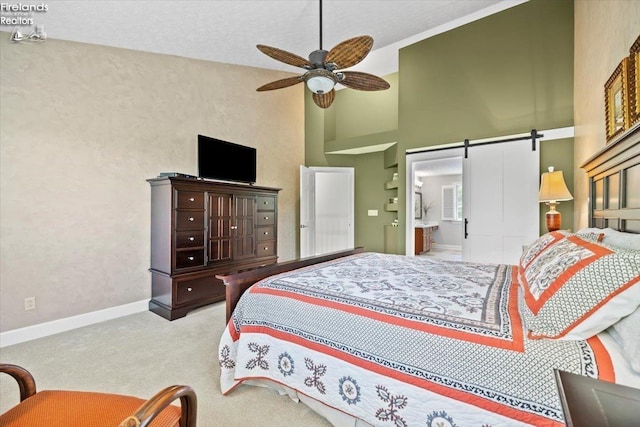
<point x="141" y="354"/>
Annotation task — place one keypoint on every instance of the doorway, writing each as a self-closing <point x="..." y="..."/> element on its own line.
<point x="500" y="212"/>
<point x="327" y="207"/>
<point x="439" y="184"/>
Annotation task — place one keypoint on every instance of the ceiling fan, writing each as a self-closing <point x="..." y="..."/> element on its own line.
<point x="323" y="68"/>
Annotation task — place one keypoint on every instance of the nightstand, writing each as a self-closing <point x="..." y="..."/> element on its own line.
<point x="592" y="402"/>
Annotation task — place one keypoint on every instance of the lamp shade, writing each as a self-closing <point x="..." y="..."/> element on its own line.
<point x="553" y="188"/>
<point x="320" y="84"/>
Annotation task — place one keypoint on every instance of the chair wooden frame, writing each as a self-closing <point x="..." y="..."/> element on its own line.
<point x="142" y="417"/>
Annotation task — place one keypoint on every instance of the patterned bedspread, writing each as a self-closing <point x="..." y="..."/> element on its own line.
<point x="404" y="341"/>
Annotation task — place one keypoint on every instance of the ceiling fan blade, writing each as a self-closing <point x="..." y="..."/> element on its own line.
<point x="350" y="52"/>
<point x="363" y="81"/>
<point x="324" y="100"/>
<point x="284" y="56"/>
<point x="279" y="84"/>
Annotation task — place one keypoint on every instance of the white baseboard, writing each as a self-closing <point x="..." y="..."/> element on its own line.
<point x="16" y="336"/>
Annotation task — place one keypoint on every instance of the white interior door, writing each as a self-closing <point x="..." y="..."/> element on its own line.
<point x="326" y="210"/>
<point x="307" y="211"/>
<point x="500" y="208"/>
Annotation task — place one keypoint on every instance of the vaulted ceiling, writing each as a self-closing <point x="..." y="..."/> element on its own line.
<point x="228" y="31"/>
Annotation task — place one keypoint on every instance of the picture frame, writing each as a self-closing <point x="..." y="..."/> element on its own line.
<point x="634" y="83"/>
<point x="616" y="92"/>
<point x="417" y="207"/>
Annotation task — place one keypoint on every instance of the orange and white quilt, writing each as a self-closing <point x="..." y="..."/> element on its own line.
<point x="404" y="341"/>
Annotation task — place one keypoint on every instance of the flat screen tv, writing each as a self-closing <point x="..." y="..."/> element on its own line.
<point x="226" y="161"/>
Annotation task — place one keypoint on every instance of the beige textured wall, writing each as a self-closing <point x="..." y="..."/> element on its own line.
<point x="82" y="128"/>
<point x="604" y="32"/>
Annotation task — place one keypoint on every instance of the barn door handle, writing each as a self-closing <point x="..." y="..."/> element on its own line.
<point x="466" y="233"/>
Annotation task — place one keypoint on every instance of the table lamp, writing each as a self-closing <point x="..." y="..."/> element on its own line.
<point x="552" y="191"/>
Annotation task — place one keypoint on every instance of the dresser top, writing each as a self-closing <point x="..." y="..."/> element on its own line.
<point x="165" y="180"/>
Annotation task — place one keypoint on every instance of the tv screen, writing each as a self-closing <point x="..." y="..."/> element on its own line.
<point x="225" y="161"/>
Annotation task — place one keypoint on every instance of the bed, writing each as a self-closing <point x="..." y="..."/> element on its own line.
<point x="376" y="339"/>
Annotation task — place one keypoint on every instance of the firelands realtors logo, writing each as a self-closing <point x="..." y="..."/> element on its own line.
<point x="22" y="15"/>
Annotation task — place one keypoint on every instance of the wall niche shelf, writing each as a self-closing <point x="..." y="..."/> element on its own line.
<point x="391" y="207"/>
<point x="392" y="203"/>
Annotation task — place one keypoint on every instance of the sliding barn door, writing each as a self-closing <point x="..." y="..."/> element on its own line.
<point x="500" y="208"/>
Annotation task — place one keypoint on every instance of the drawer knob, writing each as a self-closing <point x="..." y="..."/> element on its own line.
<point x="191" y="239"/>
<point x="266" y="248"/>
<point x="192" y="199"/>
<point x="189" y="289"/>
<point x="266" y="217"/>
<point x="266" y="203"/>
<point x="191" y="219"/>
<point x="190" y="258"/>
<point x="266" y="232"/>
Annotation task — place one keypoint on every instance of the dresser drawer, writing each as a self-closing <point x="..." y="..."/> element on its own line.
<point x="266" y="218"/>
<point x="189" y="239"/>
<point x="189" y="220"/>
<point x="266" y="203"/>
<point x="265" y="233"/>
<point x="198" y="289"/>
<point x="190" y="258"/>
<point x="266" y="248"/>
<point x="189" y="199"/>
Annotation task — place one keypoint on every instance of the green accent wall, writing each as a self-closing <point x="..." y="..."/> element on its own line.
<point x="371" y="195"/>
<point x="504" y="74"/>
<point x="366" y="113"/>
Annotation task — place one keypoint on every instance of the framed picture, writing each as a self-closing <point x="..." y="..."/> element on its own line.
<point x="616" y="92"/>
<point x="417" y="207"/>
<point x="634" y="83"/>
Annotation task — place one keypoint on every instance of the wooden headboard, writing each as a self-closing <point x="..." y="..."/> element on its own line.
<point x="614" y="184"/>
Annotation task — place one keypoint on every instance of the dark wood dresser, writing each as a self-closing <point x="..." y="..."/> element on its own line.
<point x="203" y="228"/>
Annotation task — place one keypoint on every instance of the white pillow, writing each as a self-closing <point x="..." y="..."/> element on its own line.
<point x="627" y="333"/>
<point x="615" y="238"/>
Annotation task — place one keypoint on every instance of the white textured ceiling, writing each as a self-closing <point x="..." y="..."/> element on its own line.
<point x="228" y="31"/>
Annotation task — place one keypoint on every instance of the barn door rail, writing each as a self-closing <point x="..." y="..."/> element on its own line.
<point x="533" y="136"/>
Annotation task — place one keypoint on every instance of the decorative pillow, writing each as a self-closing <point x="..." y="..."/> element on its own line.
<point x="627" y="333"/>
<point x="543" y="243"/>
<point x="575" y="288"/>
<point x="540" y="244"/>
<point x="615" y="238"/>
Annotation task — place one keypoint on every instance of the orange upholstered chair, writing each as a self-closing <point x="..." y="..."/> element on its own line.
<point x="59" y="408"/>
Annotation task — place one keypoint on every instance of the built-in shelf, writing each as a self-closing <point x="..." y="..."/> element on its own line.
<point x="390" y="185"/>
<point x="392" y="202"/>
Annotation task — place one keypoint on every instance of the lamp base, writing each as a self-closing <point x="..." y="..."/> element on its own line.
<point x="553" y="220"/>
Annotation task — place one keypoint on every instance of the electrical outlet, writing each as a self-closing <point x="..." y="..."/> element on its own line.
<point x="30" y="303"/>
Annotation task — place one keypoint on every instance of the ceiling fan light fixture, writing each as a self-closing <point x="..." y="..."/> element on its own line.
<point x="322" y="75"/>
<point x="320" y="84"/>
